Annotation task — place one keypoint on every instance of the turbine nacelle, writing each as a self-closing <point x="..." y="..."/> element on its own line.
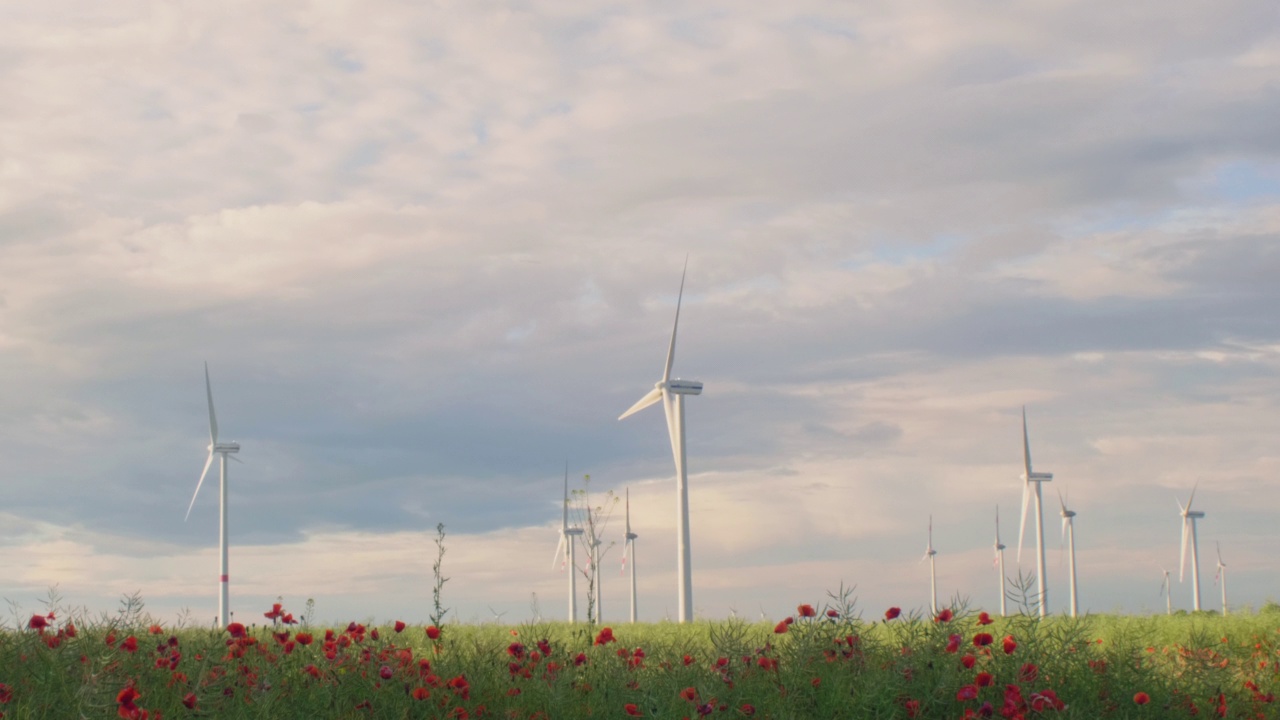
<point x="682" y="387"/>
<point x="230" y="447"/>
<point x="1037" y="477"/>
<point x="1196" y="514"/>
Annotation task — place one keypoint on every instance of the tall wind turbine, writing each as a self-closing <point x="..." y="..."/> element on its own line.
<point x="567" y="535"/>
<point x="224" y="451"/>
<point x="1069" y="533"/>
<point x="629" y="552"/>
<point x="1189" y="536"/>
<point x="1030" y="477"/>
<point x="1222" y="575"/>
<point x="671" y="392"/>
<point x="1166" y="589"/>
<point x="999" y="561"/>
<point x="929" y="554"/>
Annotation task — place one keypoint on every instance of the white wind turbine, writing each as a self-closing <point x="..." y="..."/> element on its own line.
<point x="225" y="451"/>
<point x="1222" y="575"/>
<point x="671" y="392"/>
<point x="1038" y="478"/>
<point x="930" y="554"/>
<point x="629" y="552"/>
<point x="1069" y="534"/>
<point x="1189" y="536"/>
<point x="999" y="561"/>
<point x="1166" y="589"/>
<point x="567" y="535"/>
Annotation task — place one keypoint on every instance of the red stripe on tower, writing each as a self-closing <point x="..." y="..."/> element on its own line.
<point x="224" y="578"/>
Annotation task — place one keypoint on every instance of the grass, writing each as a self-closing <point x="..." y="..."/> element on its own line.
<point x="1192" y="666"/>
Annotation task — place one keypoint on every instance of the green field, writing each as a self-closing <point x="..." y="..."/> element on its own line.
<point x="1198" y="666"/>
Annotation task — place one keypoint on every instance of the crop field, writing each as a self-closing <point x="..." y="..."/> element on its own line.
<point x="827" y="661"/>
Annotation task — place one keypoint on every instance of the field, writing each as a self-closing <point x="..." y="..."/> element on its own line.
<point x="828" y="662"/>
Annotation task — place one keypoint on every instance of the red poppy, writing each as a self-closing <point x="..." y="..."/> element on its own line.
<point x="580" y="659"/>
<point x="747" y="709"/>
<point x="155" y="630"/>
<point x="892" y="613"/>
<point x="399" y="626"/>
<point x="276" y="611"/>
<point x="312" y="670"/>
<point x="303" y="638"/>
<point x="913" y="708"/>
<point x="984" y="679"/>
<point x="953" y="644"/>
<point x="421" y="693"/>
<point x="5" y="694"/>
<point x="984" y="619"/>
<point x="767" y="663"/>
<point x="1141" y="698"/>
<point x="130" y="644"/>
<point x="605" y="636"/>
<point x="125" y="699"/>
<point x="689" y="694"/>
<point x="982" y="639"/>
<point x="1009" y="644"/>
<point x="433" y="632"/>
<point x="833" y="614"/>
<point x="631" y="709"/>
<point x="944" y="615"/>
<point x="806" y="610"/>
<point x="38" y="622"/>
<point x="1028" y="673"/>
<point x="385" y="672"/>
<point x="236" y="629"/>
<point x="967" y="661"/>
<point x="190" y="701"/>
<point x="968" y="692"/>
<point x="780" y="627"/>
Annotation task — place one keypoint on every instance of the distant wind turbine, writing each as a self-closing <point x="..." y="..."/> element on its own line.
<point x="1167" y="590"/>
<point x="567" y="535"/>
<point x="671" y="392"/>
<point x="930" y="554"/>
<point x="225" y="451"/>
<point x="1030" y="477"/>
<point x="1069" y="534"/>
<point x="1189" y="537"/>
<point x="629" y="552"/>
<point x="1221" y="575"/>
<point x="1000" y="562"/>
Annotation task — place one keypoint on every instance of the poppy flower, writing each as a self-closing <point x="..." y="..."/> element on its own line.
<point x="986" y="710"/>
<point x="1009" y="644"/>
<point x="781" y="627"/>
<point x="433" y="632"/>
<point x="130" y="644"/>
<point x="982" y="639"/>
<point x="984" y="679"/>
<point x="833" y="614"/>
<point x="275" y="612"/>
<point x="190" y="701"/>
<point x="155" y="630"/>
<point x="580" y="659"/>
<point x="944" y="615"/>
<point x="125" y="699"/>
<point x="605" y="636"/>
<point x="806" y="610"/>
<point x="385" y="672"/>
<point x="421" y="693"/>
<point x="892" y="613"/>
<point x="690" y="694"/>
<point x="38" y="622"/>
<point x="236" y="629"/>
<point x="312" y="670"/>
<point x="953" y="644"/>
<point x="5" y="694"/>
<point x="968" y="692"/>
<point x="1141" y="698"/>
<point x="1028" y="673"/>
<point x="399" y="626"/>
<point x="747" y="709"/>
<point x="304" y="638"/>
<point x="984" y="618"/>
<point x="967" y="661"/>
<point x="913" y="708"/>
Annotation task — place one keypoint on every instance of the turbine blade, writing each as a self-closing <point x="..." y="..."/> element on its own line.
<point x="1182" y="562"/>
<point x="650" y="398"/>
<point x="1193" y="496"/>
<point x="1022" y="526"/>
<point x="1218" y="545"/>
<point x="628" y="517"/>
<point x="671" y="349"/>
<point x="233" y="457"/>
<point x="204" y="472"/>
<point x="997" y="524"/>
<point x="1026" y="443"/>
<point x="564" y="507"/>
<point x="559" y="546"/>
<point x="213" y="417"/>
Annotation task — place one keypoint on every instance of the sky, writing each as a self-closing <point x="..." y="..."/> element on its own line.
<point x="431" y="251"/>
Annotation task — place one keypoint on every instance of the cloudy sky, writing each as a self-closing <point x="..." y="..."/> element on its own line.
<point x="430" y="250"/>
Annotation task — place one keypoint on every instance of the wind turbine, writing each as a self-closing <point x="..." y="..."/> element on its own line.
<point x="1069" y="534"/>
<point x="999" y="561"/>
<point x="1038" y="478"/>
<point x="929" y="554"/>
<point x="671" y="392"/>
<point x="1189" y="524"/>
<point x="225" y="451"/>
<point x="567" y="534"/>
<point x="629" y="551"/>
<point x="1222" y="574"/>
<point x="1167" y="590"/>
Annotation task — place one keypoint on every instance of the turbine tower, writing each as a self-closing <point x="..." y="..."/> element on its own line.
<point x="1030" y="477"/>
<point x="999" y="562"/>
<point x="929" y="554"/>
<point x="1222" y="575"/>
<point x="1166" y="589"/>
<point x="1069" y="534"/>
<point x="567" y="535"/>
<point x="671" y="392"/>
<point x="1189" y="535"/>
<point x="629" y="551"/>
<point x="224" y="451"/>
